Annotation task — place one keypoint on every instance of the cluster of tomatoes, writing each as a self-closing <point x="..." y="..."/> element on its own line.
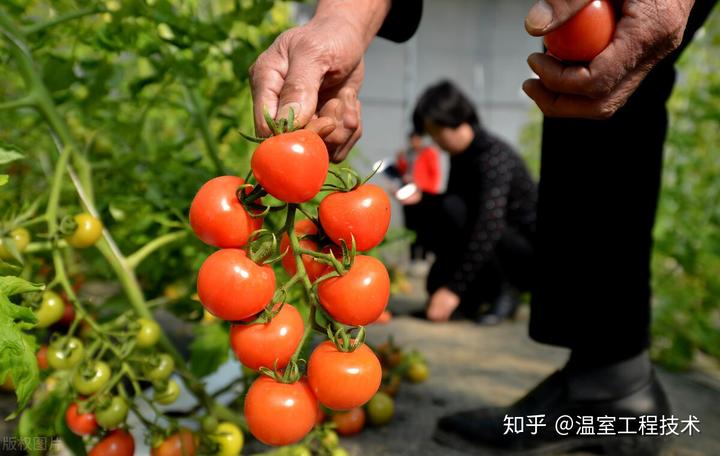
<point x="238" y="283"/>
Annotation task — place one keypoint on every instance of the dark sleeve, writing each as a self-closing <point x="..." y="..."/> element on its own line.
<point x="402" y="21"/>
<point x="496" y="167"/>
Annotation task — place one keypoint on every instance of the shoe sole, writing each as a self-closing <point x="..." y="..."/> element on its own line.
<point x="611" y="445"/>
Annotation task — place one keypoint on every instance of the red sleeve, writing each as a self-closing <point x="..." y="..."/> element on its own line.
<point x="426" y="172"/>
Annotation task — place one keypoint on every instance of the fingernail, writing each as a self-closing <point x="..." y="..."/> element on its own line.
<point x="540" y="16"/>
<point x="284" y="111"/>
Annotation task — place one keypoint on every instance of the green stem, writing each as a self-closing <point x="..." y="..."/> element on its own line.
<point x="38" y="26"/>
<point x="203" y="125"/>
<point x="24" y="102"/>
<point x="312" y="298"/>
<point x="134" y="259"/>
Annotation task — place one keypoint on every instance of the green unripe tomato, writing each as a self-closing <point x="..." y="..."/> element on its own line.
<point x="91" y="378"/>
<point x="113" y="414"/>
<point x="65" y="353"/>
<point x="51" y="309"/>
<point x="169" y="394"/>
<point x="20" y="237"/>
<point x="148" y="334"/>
<point x="160" y="368"/>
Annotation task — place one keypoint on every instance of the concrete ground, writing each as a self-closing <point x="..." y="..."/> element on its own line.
<point x="474" y="366"/>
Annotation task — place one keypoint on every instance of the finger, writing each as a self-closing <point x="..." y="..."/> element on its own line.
<point x="342" y="152"/>
<point x="547" y="15"/>
<point x="266" y="82"/>
<point x="554" y="104"/>
<point x="593" y="82"/>
<point x="323" y="126"/>
<point x="300" y="88"/>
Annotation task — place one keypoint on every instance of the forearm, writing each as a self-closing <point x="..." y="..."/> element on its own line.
<point x="366" y="16"/>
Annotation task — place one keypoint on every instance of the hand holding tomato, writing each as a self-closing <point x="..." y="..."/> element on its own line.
<point x="642" y="38"/>
<point x="317" y="69"/>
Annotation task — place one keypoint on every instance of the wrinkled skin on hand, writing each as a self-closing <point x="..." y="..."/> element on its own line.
<point x="317" y="70"/>
<point x="647" y="31"/>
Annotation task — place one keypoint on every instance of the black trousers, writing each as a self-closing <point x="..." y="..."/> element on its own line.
<point x="598" y="192"/>
<point x="442" y="227"/>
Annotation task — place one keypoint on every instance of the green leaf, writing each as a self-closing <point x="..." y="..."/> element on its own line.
<point x="4" y="179"/>
<point x="209" y="349"/>
<point x="9" y="268"/>
<point x="7" y="155"/>
<point x="10" y="285"/>
<point x="17" y="349"/>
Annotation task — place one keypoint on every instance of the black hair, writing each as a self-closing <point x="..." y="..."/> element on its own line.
<point x="445" y="105"/>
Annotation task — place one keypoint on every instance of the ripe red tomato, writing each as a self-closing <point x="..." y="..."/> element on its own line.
<point x="363" y="213"/>
<point x="41" y="355"/>
<point x="218" y="218"/>
<point x="80" y="423"/>
<point x="313" y="268"/>
<point x="343" y="380"/>
<point x="68" y="315"/>
<point x="233" y="287"/>
<point x="350" y="422"/>
<point x="292" y="166"/>
<point x="358" y="297"/>
<point x="260" y="345"/>
<point x="280" y="413"/>
<point x="585" y="35"/>
<point x="182" y="443"/>
<point x="117" y="443"/>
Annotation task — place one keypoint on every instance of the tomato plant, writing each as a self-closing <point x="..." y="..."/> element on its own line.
<point x="91" y="377"/>
<point x="41" y="355"/>
<point x="19" y="237"/>
<point x="269" y="344"/>
<point x="380" y="409"/>
<point x="349" y="422"/>
<point x="229" y="438"/>
<point x="148" y="333"/>
<point x="167" y="394"/>
<point x="304" y="229"/>
<point x="584" y="35"/>
<point x="343" y="380"/>
<point x="113" y="414"/>
<point x="80" y="423"/>
<point x="160" y="367"/>
<point x="362" y="213"/>
<point x="229" y="273"/>
<point x="417" y="372"/>
<point x="217" y="216"/>
<point x="280" y="413"/>
<point x="51" y="309"/>
<point x="116" y="443"/>
<point x="65" y="353"/>
<point x="360" y="295"/>
<point x="182" y="443"/>
<point x="292" y="166"/>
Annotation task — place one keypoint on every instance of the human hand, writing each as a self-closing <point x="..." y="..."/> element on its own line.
<point x="647" y="31"/>
<point x="316" y="70"/>
<point x="442" y="304"/>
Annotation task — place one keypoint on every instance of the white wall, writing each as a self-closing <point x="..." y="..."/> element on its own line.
<point x="479" y="44"/>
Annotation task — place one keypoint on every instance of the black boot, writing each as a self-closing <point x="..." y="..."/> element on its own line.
<point x="626" y="389"/>
<point x="504" y="307"/>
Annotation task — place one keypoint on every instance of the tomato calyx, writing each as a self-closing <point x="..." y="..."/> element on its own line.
<point x="350" y="179"/>
<point x="278" y="127"/>
<point x="343" y="339"/>
<point x="290" y="374"/>
<point x="262" y="247"/>
<point x="67" y="226"/>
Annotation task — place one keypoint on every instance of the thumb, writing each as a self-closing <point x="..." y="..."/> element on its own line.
<point x="547" y="15"/>
<point x="300" y="91"/>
